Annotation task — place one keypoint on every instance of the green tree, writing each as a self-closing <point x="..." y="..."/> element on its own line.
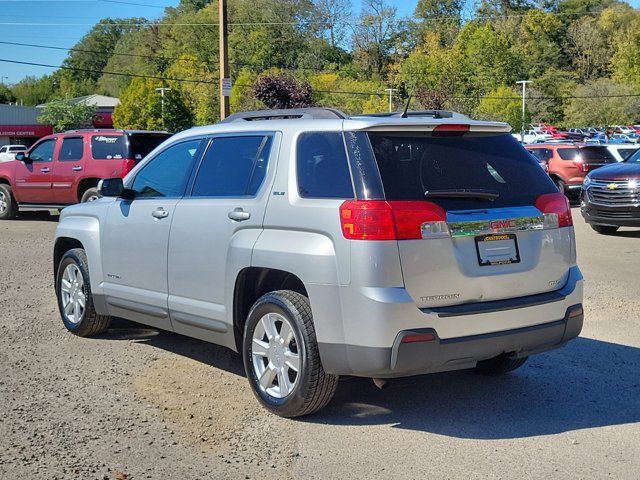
<point x="546" y="97"/>
<point x="539" y="42"/>
<point x="443" y="16"/>
<point x="65" y="114"/>
<point x="588" y="47"/>
<point x="504" y="105"/>
<point x="6" y="95"/>
<point x="603" y="102"/>
<point x="35" y="91"/>
<point x="141" y="107"/>
<point x="375" y="37"/>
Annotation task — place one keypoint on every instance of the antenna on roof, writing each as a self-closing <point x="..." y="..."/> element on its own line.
<point x="406" y="107"/>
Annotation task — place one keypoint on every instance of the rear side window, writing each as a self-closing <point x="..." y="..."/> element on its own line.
<point x="412" y="164"/>
<point x="72" y="149"/>
<point x="541" y="153"/>
<point x="141" y="144"/>
<point x="108" y="147"/>
<point x="233" y="167"/>
<point x="322" y="168"/>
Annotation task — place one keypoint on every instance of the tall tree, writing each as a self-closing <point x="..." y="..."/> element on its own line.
<point x="443" y="16"/>
<point x="333" y="15"/>
<point x="6" y="95"/>
<point x="375" y="35"/>
<point x="66" y="115"/>
<point x="603" y="102"/>
<point x="588" y="48"/>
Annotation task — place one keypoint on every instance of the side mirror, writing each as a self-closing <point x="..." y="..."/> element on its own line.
<point x="114" y="187"/>
<point x="23" y="157"/>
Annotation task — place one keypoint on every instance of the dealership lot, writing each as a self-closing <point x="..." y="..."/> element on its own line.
<point x="155" y="405"/>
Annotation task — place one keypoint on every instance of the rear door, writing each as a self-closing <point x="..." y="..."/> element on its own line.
<point x="497" y="248"/>
<point x="67" y="169"/>
<point x="33" y="180"/>
<point x="213" y="232"/>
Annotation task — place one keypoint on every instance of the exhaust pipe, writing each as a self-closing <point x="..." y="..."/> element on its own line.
<point x="381" y="383"/>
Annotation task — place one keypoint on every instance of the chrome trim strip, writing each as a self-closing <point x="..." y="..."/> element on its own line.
<point x="484" y="227"/>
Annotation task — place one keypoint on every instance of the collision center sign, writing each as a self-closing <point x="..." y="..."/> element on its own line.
<point x="25" y="130"/>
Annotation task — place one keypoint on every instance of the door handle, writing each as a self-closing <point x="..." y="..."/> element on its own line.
<point x="160" y="213"/>
<point x="77" y="168"/>
<point x="238" y="214"/>
<point x="45" y="170"/>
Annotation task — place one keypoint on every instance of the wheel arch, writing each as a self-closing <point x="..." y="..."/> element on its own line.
<point x="62" y="246"/>
<point x="252" y="283"/>
<point x="84" y="185"/>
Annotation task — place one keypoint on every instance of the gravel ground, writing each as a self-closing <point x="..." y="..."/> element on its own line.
<point x="137" y="403"/>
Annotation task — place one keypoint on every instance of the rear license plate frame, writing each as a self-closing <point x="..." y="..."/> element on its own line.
<point x="497" y="237"/>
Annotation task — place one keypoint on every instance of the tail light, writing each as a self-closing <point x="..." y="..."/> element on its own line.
<point x="556" y="210"/>
<point x="393" y="220"/>
<point x="450" y="129"/>
<point x="578" y="162"/>
<point x="127" y="167"/>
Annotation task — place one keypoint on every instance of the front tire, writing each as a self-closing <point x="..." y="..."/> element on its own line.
<point x="605" y="229"/>
<point x="281" y="357"/>
<point x="499" y="365"/>
<point x="8" y="204"/>
<point x="73" y="289"/>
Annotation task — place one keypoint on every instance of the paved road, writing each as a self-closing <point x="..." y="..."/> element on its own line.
<point x="158" y="405"/>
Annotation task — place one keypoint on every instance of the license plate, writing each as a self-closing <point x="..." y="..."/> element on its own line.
<point x="497" y="249"/>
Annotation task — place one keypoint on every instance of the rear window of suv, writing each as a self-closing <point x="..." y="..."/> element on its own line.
<point x="135" y="146"/>
<point x="593" y="154"/>
<point x="411" y="164"/>
<point x="108" y="147"/>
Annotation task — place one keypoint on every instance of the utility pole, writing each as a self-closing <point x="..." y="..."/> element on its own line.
<point x="162" y="90"/>
<point x="391" y="92"/>
<point x="524" y="96"/>
<point x="224" y="58"/>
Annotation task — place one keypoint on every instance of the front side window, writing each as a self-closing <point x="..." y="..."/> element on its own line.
<point x="43" y="152"/>
<point x="3" y="149"/>
<point x="72" y="149"/>
<point x="167" y="174"/>
<point x="322" y="168"/>
<point x="233" y="167"/>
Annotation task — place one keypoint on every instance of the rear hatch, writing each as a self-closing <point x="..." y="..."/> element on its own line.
<point x="587" y="158"/>
<point x="493" y="240"/>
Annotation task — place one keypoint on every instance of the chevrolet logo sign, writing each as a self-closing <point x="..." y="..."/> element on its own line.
<point x="612" y="186"/>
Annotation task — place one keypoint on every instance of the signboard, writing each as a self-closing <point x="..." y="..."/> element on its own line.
<point x="25" y="130"/>
<point x="226" y="87"/>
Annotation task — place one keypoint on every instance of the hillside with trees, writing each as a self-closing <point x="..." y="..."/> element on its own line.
<point x="581" y="55"/>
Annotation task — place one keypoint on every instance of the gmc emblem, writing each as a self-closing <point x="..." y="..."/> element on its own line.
<point x="502" y="224"/>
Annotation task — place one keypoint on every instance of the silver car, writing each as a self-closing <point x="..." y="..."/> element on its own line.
<point x="320" y="245"/>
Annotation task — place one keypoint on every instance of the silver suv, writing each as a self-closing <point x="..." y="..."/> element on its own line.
<point x="320" y="245"/>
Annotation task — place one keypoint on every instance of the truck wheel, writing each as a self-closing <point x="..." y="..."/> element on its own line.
<point x="499" y="365"/>
<point x="91" y="195"/>
<point x="281" y="356"/>
<point x="605" y="229"/>
<point x="8" y="204"/>
<point x="75" y="303"/>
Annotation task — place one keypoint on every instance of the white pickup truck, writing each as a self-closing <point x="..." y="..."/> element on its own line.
<point x="8" y="152"/>
<point x="532" y="136"/>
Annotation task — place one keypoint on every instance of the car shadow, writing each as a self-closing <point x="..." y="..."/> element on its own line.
<point x="627" y="234"/>
<point x="37" y="215"/>
<point x="588" y="383"/>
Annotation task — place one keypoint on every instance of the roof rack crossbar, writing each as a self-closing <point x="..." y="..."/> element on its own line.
<point x="286" y="114"/>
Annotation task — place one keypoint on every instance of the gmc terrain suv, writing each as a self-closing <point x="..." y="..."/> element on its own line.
<point x="320" y="245"/>
<point x="65" y="168"/>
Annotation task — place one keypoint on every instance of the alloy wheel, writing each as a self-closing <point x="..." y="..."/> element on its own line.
<point x="73" y="294"/>
<point x="275" y="355"/>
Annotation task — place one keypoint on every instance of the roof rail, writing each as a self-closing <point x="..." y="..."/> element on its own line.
<point x="286" y="114"/>
<point x="422" y="113"/>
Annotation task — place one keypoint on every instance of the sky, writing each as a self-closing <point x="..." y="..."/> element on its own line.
<point x="74" y="18"/>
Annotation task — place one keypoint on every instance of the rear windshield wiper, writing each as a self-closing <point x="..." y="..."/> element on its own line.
<point x="478" y="193"/>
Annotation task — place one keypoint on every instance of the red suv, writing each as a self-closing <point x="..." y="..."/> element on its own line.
<point x="569" y="163"/>
<point x="65" y="168"/>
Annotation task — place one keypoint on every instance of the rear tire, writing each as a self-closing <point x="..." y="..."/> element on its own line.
<point x="605" y="229"/>
<point x="91" y="195"/>
<point x="8" y="204"/>
<point x="73" y="284"/>
<point x="270" y="354"/>
<point x="499" y="365"/>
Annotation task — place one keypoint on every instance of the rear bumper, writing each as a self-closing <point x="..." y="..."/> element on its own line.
<point x="438" y="355"/>
<point x="461" y="336"/>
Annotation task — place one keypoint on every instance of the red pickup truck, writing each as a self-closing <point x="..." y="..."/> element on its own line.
<point x="65" y="168"/>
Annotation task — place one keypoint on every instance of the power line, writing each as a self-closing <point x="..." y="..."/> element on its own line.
<point x="105" y="72"/>
<point x="132" y="3"/>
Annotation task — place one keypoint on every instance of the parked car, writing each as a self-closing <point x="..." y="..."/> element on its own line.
<point x="65" y="168"/>
<point x="320" y="245"/>
<point x="531" y="136"/>
<point x="578" y="134"/>
<point x="622" y="129"/>
<point x="618" y="138"/>
<point x="611" y="196"/>
<point x="8" y="152"/>
<point x="622" y="152"/>
<point x="555" y="132"/>
<point x="568" y="164"/>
